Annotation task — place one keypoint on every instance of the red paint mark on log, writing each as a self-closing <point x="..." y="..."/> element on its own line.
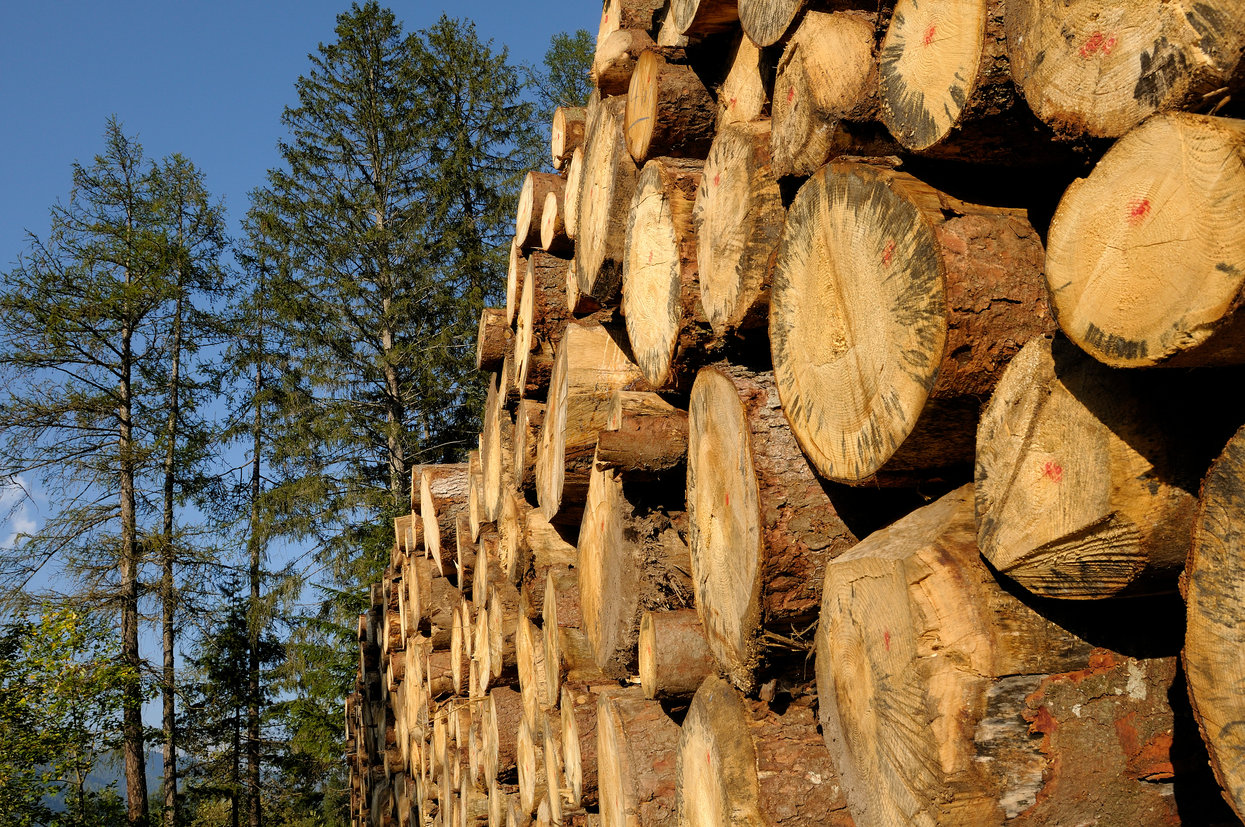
<point x="889" y="253"/>
<point x="791" y="94"/>
<point x="1053" y="471"/>
<point x="929" y="35"/>
<point x="650" y="256"/>
<point x="1098" y="43"/>
<point x="731" y="105"/>
<point x="728" y="500"/>
<point x="1138" y="209"/>
<point x="886" y="638"/>
<point x="717" y="178"/>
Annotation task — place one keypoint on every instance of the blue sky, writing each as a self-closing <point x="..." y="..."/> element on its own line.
<point x="206" y="79"/>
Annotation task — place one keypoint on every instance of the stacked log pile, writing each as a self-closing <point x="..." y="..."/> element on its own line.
<point x="829" y="474"/>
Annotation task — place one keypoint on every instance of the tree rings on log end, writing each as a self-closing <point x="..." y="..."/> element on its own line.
<point x="766" y="21"/>
<point x="1146" y="256"/>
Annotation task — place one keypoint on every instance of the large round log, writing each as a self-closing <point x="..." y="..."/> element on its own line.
<point x="532" y="205"/>
<point x="766" y="21"/>
<point x="553" y="237"/>
<point x="1096" y="68"/>
<point x="543" y="313"/>
<point x="631" y="560"/>
<point x="826" y="94"/>
<point x="570" y="200"/>
<point x="442" y="497"/>
<point x="741" y="763"/>
<point x="493" y="338"/>
<point x="1215" y="597"/>
<point x="738" y="218"/>
<point x="894" y="311"/>
<point x="637" y="745"/>
<point x="744" y="95"/>
<point x="589" y="368"/>
<point x="667" y="329"/>
<point x="669" y="110"/>
<point x="674" y="655"/>
<point x="566" y="133"/>
<point x="615" y="60"/>
<point x="607" y="183"/>
<point x="762" y="527"/>
<point x="947" y="700"/>
<point x="1086" y="474"/>
<point x="1146" y="256"/>
<point x="697" y="18"/>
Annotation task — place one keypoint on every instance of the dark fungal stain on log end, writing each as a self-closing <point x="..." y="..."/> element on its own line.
<point x="1113" y="345"/>
<point x="910" y="119"/>
<point x="1160" y="69"/>
<point x="1210" y="24"/>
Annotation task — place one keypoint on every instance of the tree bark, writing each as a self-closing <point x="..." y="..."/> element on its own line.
<point x="669" y="111"/>
<point x="493" y="338"/>
<point x="532" y="205"/>
<point x="543" y="312"/>
<point x="674" y="655"/>
<point x="895" y="309"/>
<point x="738" y="219"/>
<point x="566" y="133"/>
<point x="637" y="745"/>
<point x="1146" y="259"/>
<point x="762" y="527"/>
<point x="644" y="439"/>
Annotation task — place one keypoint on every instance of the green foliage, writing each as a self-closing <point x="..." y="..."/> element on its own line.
<point x="61" y="691"/>
<point x="566" y="79"/>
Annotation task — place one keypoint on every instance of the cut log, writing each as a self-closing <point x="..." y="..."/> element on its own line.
<point x="644" y="439"/>
<point x="546" y="550"/>
<point x="510" y="546"/>
<point x="532" y="205"/>
<point x="674" y="655"/>
<point x="669" y="111"/>
<point x="766" y="21"/>
<point x="895" y="309"/>
<point x="627" y="14"/>
<point x="475" y="505"/>
<point x="762" y="527"/>
<point x="555" y="777"/>
<point x="496" y="452"/>
<point x="493" y="338"/>
<point x="740" y="762"/>
<point x="543" y="314"/>
<point x="745" y="93"/>
<point x="570" y="201"/>
<point x="568" y="654"/>
<point x="590" y="367"/>
<point x="697" y="18"/>
<point x="407" y="530"/>
<point x="527" y="421"/>
<point x="436" y="615"/>
<point x="826" y="94"/>
<point x="1094" y="68"/>
<point x="637" y="746"/>
<point x="503" y="712"/>
<point x="567" y="133"/>
<point x="461" y="635"/>
<point x="578" y="710"/>
<point x="942" y="67"/>
<point x="503" y="615"/>
<point x="631" y="560"/>
<point x="515" y="273"/>
<point x="946" y="700"/>
<point x="1085" y="474"/>
<point x="531" y="764"/>
<point x="661" y="290"/>
<point x="553" y="237"/>
<point x="530" y="656"/>
<point x="607" y="184"/>
<point x="442" y="497"/>
<point x="1146" y="256"/>
<point x="616" y="58"/>
<point x="738" y="218"/>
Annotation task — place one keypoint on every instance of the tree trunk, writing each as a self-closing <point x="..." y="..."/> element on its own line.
<point x="1146" y="258"/>
<point x="742" y="763"/>
<point x="946" y="700"/>
<point x="631" y="559"/>
<point x="1085" y="474"/>
<point x="168" y="590"/>
<point x="661" y="288"/>
<point x="669" y="111"/>
<point x="762" y="527"/>
<point x="895" y="309"/>
<point x="826" y="94"/>
<point x="1095" y="69"/>
<point x="738" y="219"/>
<point x="590" y="367"/>
<point x="493" y="338"/>
<point x="607" y="183"/>
<point x="637" y="745"/>
<point x="674" y="655"/>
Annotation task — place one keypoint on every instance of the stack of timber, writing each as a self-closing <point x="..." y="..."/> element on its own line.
<point x="829" y="472"/>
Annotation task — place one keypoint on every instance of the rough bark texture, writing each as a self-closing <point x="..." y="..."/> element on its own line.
<point x="674" y="655"/>
<point x="742" y="763"/>
<point x="666" y="325"/>
<point x="895" y="309"/>
<point x="644" y="439"/>
<point x="442" y="497"/>
<point x="946" y="700"/>
<point x="1097" y="69"/>
<point x="566" y="133"/>
<point x="1086" y="475"/>
<point x="527" y="421"/>
<point x="1146" y="258"/>
<point x="669" y="110"/>
<point x="762" y="527"/>
<point x="493" y="338"/>
<point x="738" y="218"/>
